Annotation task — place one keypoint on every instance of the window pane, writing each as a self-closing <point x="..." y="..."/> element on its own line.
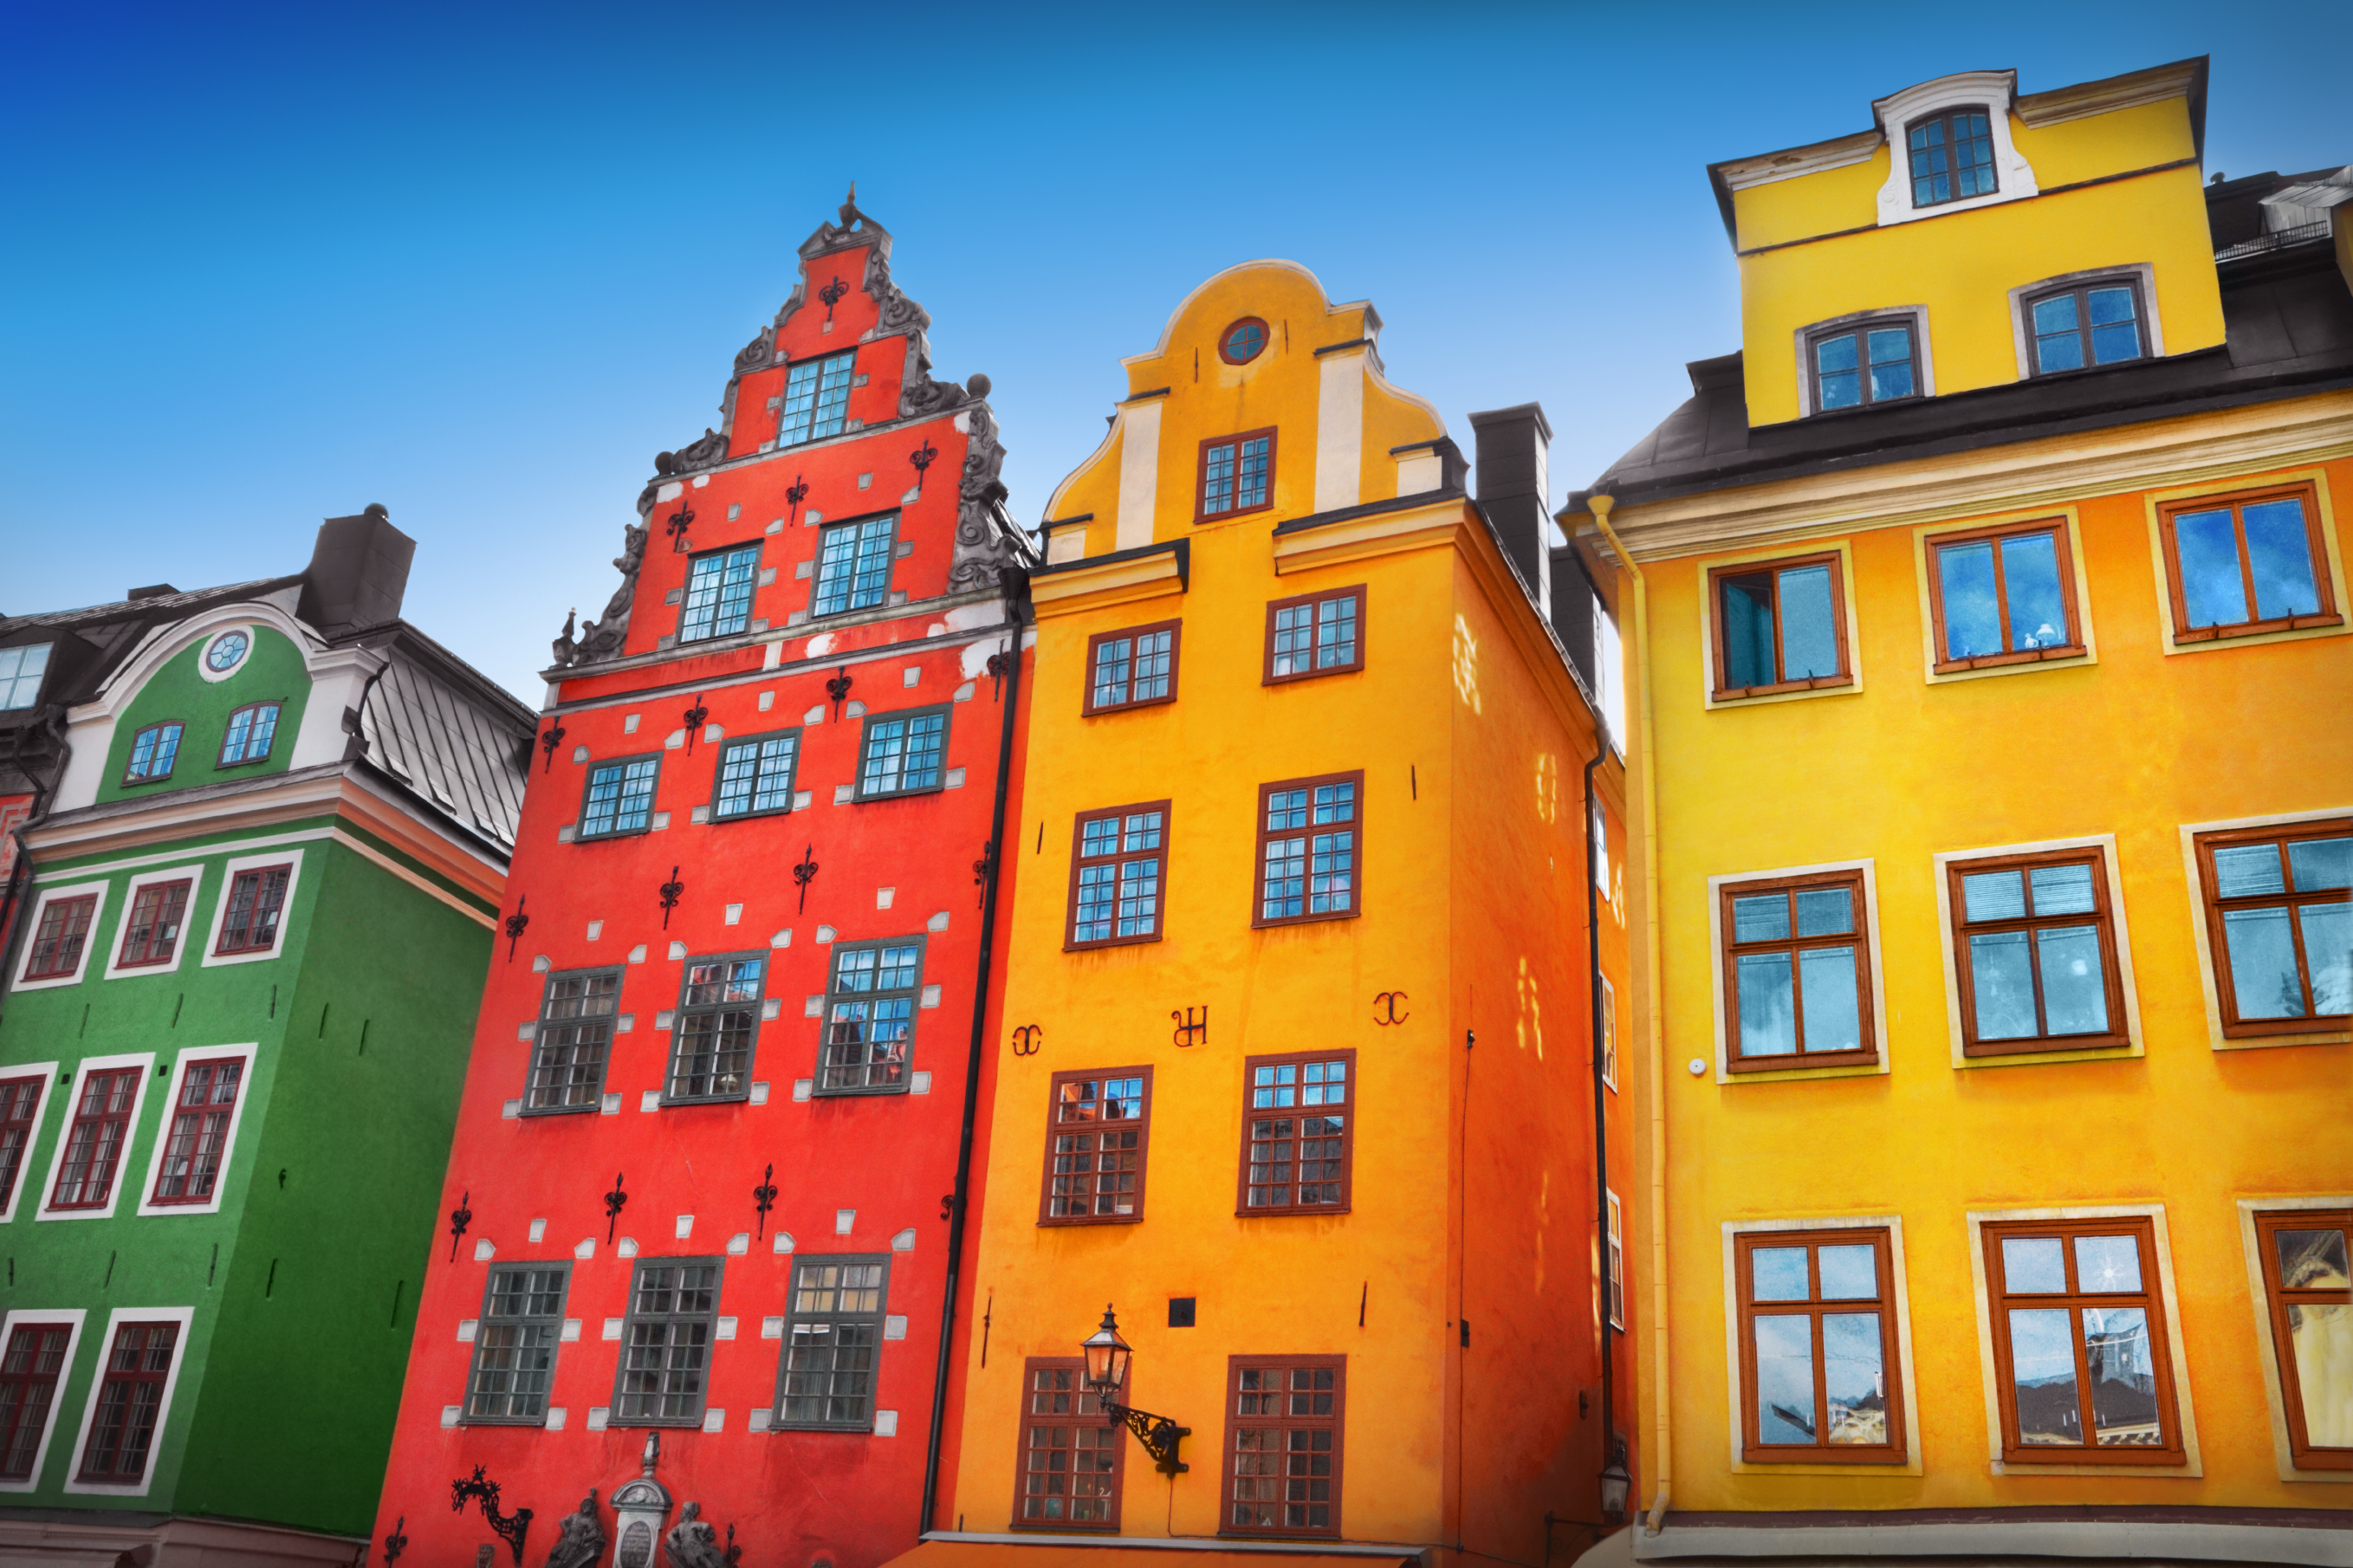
<point x="2321" y="865"/>
<point x="1768" y="1020"/>
<point x="2034" y="1266"/>
<point x="1842" y="378"/>
<point x="1849" y="1273"/>
<point x="1778" y="1274"/>
<point x="2116" y="335"/>
<point x="1826" y="911"/>
<point x="1808" y="640"/>
<point x="1747" y="604"/>
<point x="2263" y="964"/>
<point x="2213" y="592"/>
<point x="2062" y="890"/>
<point x="2321" y="1337"/>
<point x="2074" y="992"/>
<point x="2029" y="570"/>
<point x="2043" y="1375"/>
<point x="1833" y="1017"/>
<point x="1784" y="1379"/>
<point x="2123" y="1377"/>
<point x="1217" y="481"/>
<point x="1249" y="488"/>
<point x="2106" y="1264"/>
<point x="1854" y="1378"/>
<point x="1890" y="363"/>
<point x="1336" y="633"/>
<point x="2249" y="871"/>
<point x="1972" y="155"/>
<point x="1112" y="667"/>
<point x="1763" y="918"/>
<point x="2328" y="950"/>
<point x="2003" y="985"/>
<point x="2057" y="345"/>
<point x="1993" y="896"/>
<point x="2280" y="551"/>
<point x="1972" y="620"/>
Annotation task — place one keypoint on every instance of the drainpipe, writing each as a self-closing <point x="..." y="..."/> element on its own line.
<point x="1656" y="1064"/>
<point x="1017" y="588"/>
<point x="1600" y="1091"/>
<point x="12" y="901"/>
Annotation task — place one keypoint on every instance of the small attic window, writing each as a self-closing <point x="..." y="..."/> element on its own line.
<point x="1243" y="341"/>
<point x="1952" y="156"/>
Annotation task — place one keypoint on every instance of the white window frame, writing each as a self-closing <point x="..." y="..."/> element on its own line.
<point x="1608" y="1034"/>
<point x="146" y="1062"/>
<point x="1919" y="316"/>
<point x="2022" y="331"/>
<point x="248" y="1054"/>
<point x="2338" y="1034"/>
<point x="73" y="1316"/>
<point x="195" y="876"/>
<point x="2194" y="1465"/>
<point x="33" y="927"/>
<point x="1798" y="1069"/>
<point x="184" y="1316"/>
<point x="47" y="1072"/>
<point x="2274" y="1394"/>
<point x="1613" y="1300"/>
<point x="1911" y="1464"/>
<point x="1997" y="90"/>
<point x="2137" y="1044"/>
<point x="203" y="647"/>
<point x="292" y="858"/>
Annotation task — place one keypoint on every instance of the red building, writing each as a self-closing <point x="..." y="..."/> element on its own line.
<point x="711" y="1166"/>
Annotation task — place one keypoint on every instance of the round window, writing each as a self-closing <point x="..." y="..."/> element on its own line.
<point x="1243" y="341"/>
<point x="227" y="651"/>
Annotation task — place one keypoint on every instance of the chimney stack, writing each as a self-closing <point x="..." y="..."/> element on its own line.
<point x="1510" y="482"/>
<point x="359" y="570"/>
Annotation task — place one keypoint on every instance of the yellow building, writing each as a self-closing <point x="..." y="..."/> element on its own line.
<point x="1990" y="652"/>
<point x="1296" y="1063"/>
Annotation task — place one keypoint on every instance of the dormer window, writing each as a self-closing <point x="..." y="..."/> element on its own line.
<point x="2086" y="324"/>
<point x="1952" y="156"/>
<point x="21" y="669"/>
<point x="1860" y="362"/>
<point x="817" y="397"/>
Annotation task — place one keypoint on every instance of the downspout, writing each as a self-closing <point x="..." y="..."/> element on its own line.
<point x="1600" y="1089"/>
<point x="10" y="905"/>
<point x="1662" y="1424"/>
<point x="1017" y="588"/>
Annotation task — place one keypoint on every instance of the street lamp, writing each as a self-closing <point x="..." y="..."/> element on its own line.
<point x="1616" y="1483"/>
<point x="1107" y="1357"/>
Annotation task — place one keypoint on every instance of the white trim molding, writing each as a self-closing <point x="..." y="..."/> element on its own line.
<point x="2266" y="1343"/>
<point x="46" y="1075"/>
<point x="184" y="1316"/>
<point x="290" y="858"/>
<point x="1723" y="1073"/>
<point x="2105" y="843"/>
<point x="146" y="1062"/>
<point x="2340" y="1034"/>
<point x="90" y="938"/>
<point x="205" y="670"/>
<point x="26" y="1316"/>
<point x="195" y="875"/>
<point x="2152" y="325"/>
<point x="2013" y="177"/>
<point x="248" y="1054"/>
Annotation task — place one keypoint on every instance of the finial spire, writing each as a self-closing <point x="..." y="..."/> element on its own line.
<point x="849" y="213"/>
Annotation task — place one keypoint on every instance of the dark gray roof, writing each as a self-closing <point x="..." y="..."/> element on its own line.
<point x="159" y="606"/>
<point x="439" y="727"/>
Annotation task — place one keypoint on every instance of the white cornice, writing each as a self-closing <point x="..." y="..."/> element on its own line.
<point x="2013" y="177"/>
<point x="2086" y="99"/>
<point x="1765" y="168"/>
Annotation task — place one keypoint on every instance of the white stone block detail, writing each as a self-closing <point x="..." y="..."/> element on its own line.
<point x="539" y="965"/>
<point x="449" y="1413"/>
<point x="782" y="938"/>
<point x="701" y="480"/>
<point x="963" y="693"/>
<point x="714" y="1421"/>
<point x="776" y="524"/>
<point x="886" y="1424"/>
<point x="556" y="1416"/>
<point x="625" y="1248"/>
<point x="662" y="820"/>
<point x="685" y="1227"/>
<point x="854" y="708"/>
<point x="884" y="896"/>
<point x="734" y="914"/>
<point x="713" y="734"/>
<point x="610" y="1105"/>
<point x="571" y="1331"/>
<point x="815" y="715"/>
<point x="724" y="1329"/>
<point x="674" y="740"/>
<point x="565" y="834"/>
<point x="612" y="1328"/>
<point x="801" y="1087"/>
<point x="700" y="814"/>
<point x="771" y="1328"/>
<point x="812" y="517"/>
<point x="815" y="1006"/>
<point x="677" y="951"/>
<point x="588" y="1248"/>
<point x="937" y="922"/>
<point x="664" y="1019"/>
<point x="783" y="1244"/>
<point x="626" y="1024"/>
<point x="511" y="1110"/>
<point x="904" y="1241"/>
<point x="767" y="576"/>
<point x="844" y="793"/>
<point x="598" y="1415"/>
<point x="629" y="723"/>
<point x="738" y="1245"/>
<point x="759" y="1092"/>
<point x="802" y="797"/>
<point x="931" y="995"/>
<point x="955" y="779"/>
<point x="758" y="1420"/>
<point x="842" y="1221"/>
<point x="538" y="1230"/>
<point x="595" y="930"/>
<point x="919" y="1081"/>
<point x="649" y="1100"/>
<point x="911" y="676"/>
<point x="484" y="1251"/>
<point x="579" y="754"/>
<point x="638" y="953"/>
<point x="527" y="1032"/>
<point x="894" y="1326"/>
<point x="826" y="933"/>
<point x="467" y="1328"/>
<point x="865" y="481"/>
<point x="771" y="1006"/>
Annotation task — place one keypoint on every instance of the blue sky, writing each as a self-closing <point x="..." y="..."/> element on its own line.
<point x="479" y="263"/>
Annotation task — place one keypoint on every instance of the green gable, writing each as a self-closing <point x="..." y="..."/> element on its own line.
<point x="184" y="691"/>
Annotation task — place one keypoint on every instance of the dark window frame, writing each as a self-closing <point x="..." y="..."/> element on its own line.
<point x="1225" y="338"/>
<point x="1235" y="1423"/>
<point x="2101" y="917"/>
<point x="1720" y="655"/>
<point x="2151" y="1299"/>
<point x="1754" y="1450"/>
<point x="835" y="996"/>
<point x="1731" y="950"/>
<point x="735" y="744"/>
<point x="1085" y="1414"/>
<point x="63" y="940"/>
<point x="1118" y="859"/>
<point x="1259" y="917"/>
<point x="581" y="833"/>
<point x="1054" y="1131"/>
<point x="1860" y="328"/>
<point x="2212" y="906"/>
<point x="684" y="1010"/>
<point x="124" y="1122"/>
<point x="524" y="1322"/>
<point x="1614" y="1276"/>
<point x="175" y="916"/>
<point x="2081" y="289"/>
<point x="277" y="708"/>
<point x="783" y="392"/>
<point x="24" y="1423"/>
<point x="549" y="1021"/>
<point x="136" y="1377"/>
<point x="276" y="893"/>
<point x="40" y="677"/>
<point x="2329" y="614"/>
<point x="1317" y="669"/>
<point x="721" y="554"/>
<point x="1201" y="474"/>
<point x="205" y="1117"/>
<point x="179" y="729"/>
<point x="2062" y="546"/>
<point x="1089" y="707"/>
<point x="878" y="1319"/>
<point x="2280" y="1299"/>
<point x="818" y="578"/>
<point x="1252" y="1114"/>
<point x="1944" y="118"/>
<point x="861" y="794"/>
<point x="20" y="1124"/>
<point x="632" y="1318"/>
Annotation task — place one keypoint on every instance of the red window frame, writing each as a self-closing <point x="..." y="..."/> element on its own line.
<point x="195" y="1145"/>
<point x="1201" y="475"/>
<point x="129" y="1402"/>
<point x="1307" y="914"/>
<point x="29" y="1370"/>
<point x="2149" y="1299"/>
<point x="2236" y="503"/>
<point x="1811" y="1309"/>
<point x="20" y="1110"/>
<point x="1249" y="1424"/>
<point x="61" y="937"/>
<point x="96" y="1137"/>
<point x="1118" y="861"/>
<point x="1269" y="676"/>
<point x="1287" y="1149"/>
<point x="2215" y="909"/>
<point x="1089" y="707"/>
<point x="1059" y="1128"/>
<point x="1073" y="1424"/>
<point x="163" y="907"/>
<point x="264" y="905"/>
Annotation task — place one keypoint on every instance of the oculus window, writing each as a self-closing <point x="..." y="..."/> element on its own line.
<point x="1243" y="341"/>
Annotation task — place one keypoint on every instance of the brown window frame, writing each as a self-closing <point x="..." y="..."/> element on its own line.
<point x="79" y="1117"/>
<point x="2061" y="549"/>
<point x="1944" y="117"/>
<point x="2081" y="289"/>
<point x="276" y="711"/>
<point x="1201" y="474"/>
<point x="22" y="1426"/>
<point x="132" y="1379"/>
<point x="2102" y="916"/>
<point x="2279" y="1299"/>
<point x="257" y="876"/>
<point x="2212" y="906"/>
<point x="1880" y="1240"/>
<point x="1259" y="917"/>
<point x="1860" y="329"/>
<point x="1252" y="1114"/>
<point x="2151" y="1299"/>
<point x="1080" y="861"/>
<point x="210" y="1121"/>
<point x="50" y="926"/>
<point x="1225" y="338"/>
<point x="1718" y="688"/>
<point x="147" y="956"/>
<point x="1866" y="998"/>
<point x="179" y="729"/>
<point x="1089" y="707"/>
<point x="1045" y="1194"/>
<point x="1336" y="1422"/>
<point x="21" y="1100"/>
<point x="2316" y="545"/>
<point x="1315" y="671"/>
<point x="1085" y="1403"/>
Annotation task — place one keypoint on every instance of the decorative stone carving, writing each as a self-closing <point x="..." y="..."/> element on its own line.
<point x="693" y="1543"/>
<point x="897" y="313"/>
<point x="756" y="353"/>
<point x="602" y="638"/>
<point x="924" y="395"/>
<point x="698" y="454"/>
<point x="581" y="1541"/>
<point x="985" y="540"/>
<point x="639" y="1507"/>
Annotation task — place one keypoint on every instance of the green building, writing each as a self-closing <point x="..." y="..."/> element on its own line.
<point x="251" y="919"/>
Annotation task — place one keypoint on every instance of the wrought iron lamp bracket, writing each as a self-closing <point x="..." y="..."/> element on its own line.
<point x="1158" y="1434"/>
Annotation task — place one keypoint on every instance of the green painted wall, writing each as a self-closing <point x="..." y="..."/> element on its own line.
<point x="272" y="672"/>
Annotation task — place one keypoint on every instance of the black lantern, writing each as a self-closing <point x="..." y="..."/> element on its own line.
<point x="1615" y="1484"/>
<point x="1107" y="1357"/>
